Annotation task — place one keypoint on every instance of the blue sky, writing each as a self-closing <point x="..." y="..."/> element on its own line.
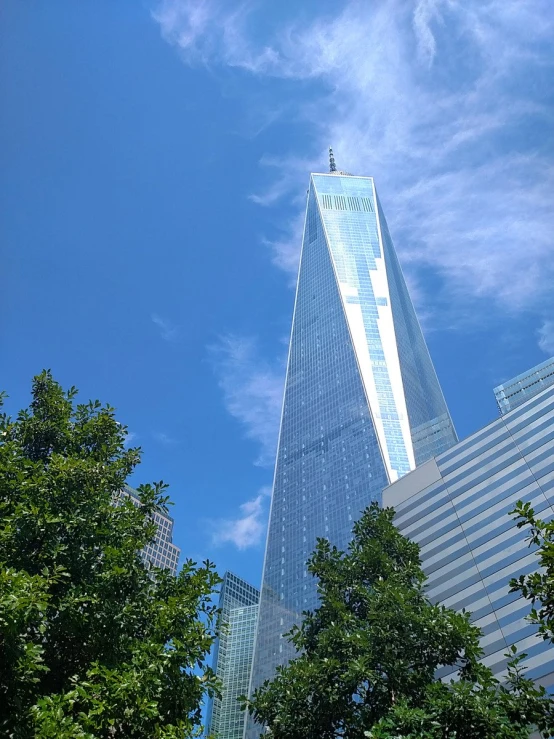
<point x="155" y="158"/>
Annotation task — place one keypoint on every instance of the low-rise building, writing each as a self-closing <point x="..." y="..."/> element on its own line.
<point x="457" y="507"/>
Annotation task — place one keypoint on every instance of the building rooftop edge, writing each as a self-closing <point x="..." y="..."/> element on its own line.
<point x="238" y="577"/>
<point x="524" y="375"/>
<point x="133" y="493"/>
<point x="341" y="174"/>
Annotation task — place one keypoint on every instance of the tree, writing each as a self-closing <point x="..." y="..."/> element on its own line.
<point x="369" y="653"/>
<point x="93" y="643"/>
<point x="538" y="587"/>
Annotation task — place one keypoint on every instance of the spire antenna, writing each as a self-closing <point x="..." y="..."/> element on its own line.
<point x="332" y="165"/>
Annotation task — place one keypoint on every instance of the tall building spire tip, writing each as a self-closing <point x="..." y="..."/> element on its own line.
<point x="332" y="165"/>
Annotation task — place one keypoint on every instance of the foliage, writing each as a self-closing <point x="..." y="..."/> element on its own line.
<point x="93" y="643"/>
<point x="538" y="587"/>
<point x="368" y="656"/>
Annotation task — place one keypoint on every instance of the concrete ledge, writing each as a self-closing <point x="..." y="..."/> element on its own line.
<point x="411" y="484"/>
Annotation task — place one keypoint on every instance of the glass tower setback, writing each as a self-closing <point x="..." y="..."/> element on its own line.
<point x="514" y="392"/>
<point x="238" y="603"/>
<point x="362" y="403"/>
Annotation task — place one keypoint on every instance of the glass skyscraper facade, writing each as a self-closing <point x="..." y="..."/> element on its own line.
<point x="516" y="391"/>
<point x="457" y="507"/>
<point x="162" y="552"/>
<point x="362" y="403"/>
<point x="238" y="603"/>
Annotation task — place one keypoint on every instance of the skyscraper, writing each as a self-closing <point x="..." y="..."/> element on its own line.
<point x="238" y="602"/>
<point x="362" y="403"/>
<point x="161" y="552"/>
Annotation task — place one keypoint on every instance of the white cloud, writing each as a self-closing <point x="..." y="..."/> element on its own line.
<point x="444" y="102"/>
<point x="424" y="13"/>
<point x="285" y="249"/>
<point x="248" y="528"/>
<point x="185" y="22"/>
<point x="546" y="337"/>
<point x="165" y="439"/>
<point x="208" y="30"/>
<point x="252" y="391"/>
<point x="168" y="331"/>
<point x="129" y="438"/>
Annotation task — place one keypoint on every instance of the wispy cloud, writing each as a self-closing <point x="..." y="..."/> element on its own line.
<point x="165" y="439"/>
<point x="248" y="528"/>
<point x="447" y="103"/>
<point x="168" y="330"/>
<point x="424" y="13"/>
<point x="546" y="337"/>
<point x="186" y="22"/>
<point x="130" y="438"/>
<point x="285" y="249"/>
<point x="252" y="390"/>
<point x="213" y="30"/>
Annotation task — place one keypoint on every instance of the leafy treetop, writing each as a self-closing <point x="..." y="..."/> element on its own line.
<point x="368" y="656"/>
<point x="93" y="643"/>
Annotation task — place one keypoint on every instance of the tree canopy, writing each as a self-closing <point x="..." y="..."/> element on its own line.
<point x="93" y="642"/>
<point x="538" y="587"/>
<point x="368" y="656"/>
